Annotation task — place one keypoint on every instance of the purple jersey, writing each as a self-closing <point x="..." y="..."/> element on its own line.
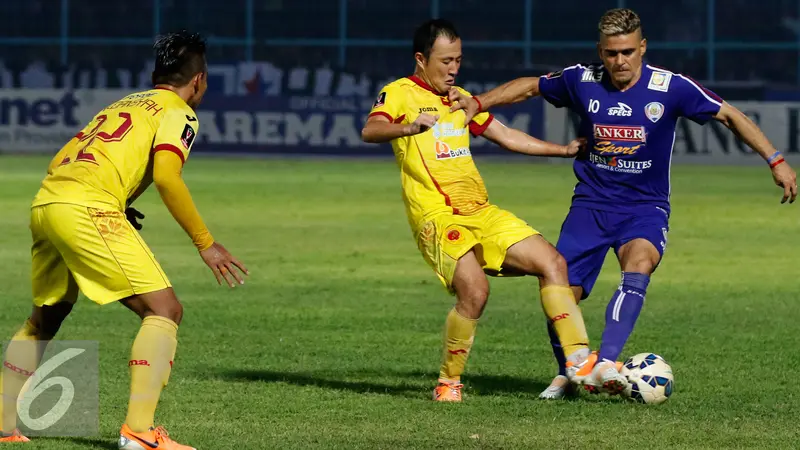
<point x="631" y="133"/>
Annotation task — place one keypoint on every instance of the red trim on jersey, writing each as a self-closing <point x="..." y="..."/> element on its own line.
<point x="79" y="136"/>
<point x="478" y="130"/>
<point x="169" y="148"/>
<point x="400" y="119"/>
<point x="710" y="94"/>
<point x="436" y="183"/>
<point x="381" y="113"/>
<point x="421" y="83"/>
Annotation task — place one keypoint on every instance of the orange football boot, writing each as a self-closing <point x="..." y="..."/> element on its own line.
<point x="16" y="436"/>
<point x="151" y="439"/>
<point x="447" y="392"/>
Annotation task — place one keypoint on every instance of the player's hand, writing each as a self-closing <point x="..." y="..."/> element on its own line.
<point x="223" y="264"/>
<point x="786" y="178"/>
<point x="465" y="102"/>
<point x="423" y="123"/>
<point x="575" y="147"/>
<point x="132" y="214"/>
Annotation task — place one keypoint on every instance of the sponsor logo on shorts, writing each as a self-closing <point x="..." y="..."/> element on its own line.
<point x="453" y="235"/>
<point x="138" y="362"/>
<point x="560" y="316"/>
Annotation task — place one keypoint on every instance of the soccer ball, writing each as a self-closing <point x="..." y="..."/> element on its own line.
<point x="650" y="378"/>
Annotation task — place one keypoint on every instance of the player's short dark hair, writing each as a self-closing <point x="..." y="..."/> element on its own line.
<point x="428" y="32"/>
<point x="619" y="21"/>
<point x="179" y="57"/>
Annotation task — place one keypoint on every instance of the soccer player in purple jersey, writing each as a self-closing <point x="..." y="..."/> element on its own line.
<point x="628" y="112"/>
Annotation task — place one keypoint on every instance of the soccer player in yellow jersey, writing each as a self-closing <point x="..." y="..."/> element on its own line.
<point x="460" y="234"/>
<point x="83" y="242"/>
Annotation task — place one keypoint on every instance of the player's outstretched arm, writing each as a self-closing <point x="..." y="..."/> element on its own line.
<point x="517" y="141"/>
<point x="379" y="129"/>
<point x="514" y="91"/>
<point x="167" y="178"/>
<point x="749" y="133"/>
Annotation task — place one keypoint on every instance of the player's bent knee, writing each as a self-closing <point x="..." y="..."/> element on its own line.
<point x="554" y="269"/>
<point x="161" y="303"/>
<point x="472" y="298"/>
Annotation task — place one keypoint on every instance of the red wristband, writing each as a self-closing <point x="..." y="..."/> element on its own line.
<point x="480" y="106"/>
<point x="777" y="163"/>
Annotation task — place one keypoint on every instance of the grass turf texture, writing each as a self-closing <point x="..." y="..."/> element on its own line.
<point x="335" y="339"/>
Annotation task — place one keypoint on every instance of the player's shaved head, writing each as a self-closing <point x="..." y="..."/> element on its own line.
<point x="619" y="21"/>
<point x="179" y="58"/>
<point x="428" y="32"/>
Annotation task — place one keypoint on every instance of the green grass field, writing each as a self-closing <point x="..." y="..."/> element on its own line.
<point x="334" y="341"/>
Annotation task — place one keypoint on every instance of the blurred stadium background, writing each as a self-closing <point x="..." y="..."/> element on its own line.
<point x="298" y="76"/>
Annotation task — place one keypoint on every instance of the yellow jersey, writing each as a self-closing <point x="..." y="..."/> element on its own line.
<point x="110" y="160"/>
<point x="438" y="174"/>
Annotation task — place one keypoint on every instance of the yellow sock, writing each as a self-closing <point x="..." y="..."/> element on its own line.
<point x="459" y="333"/>
<point x="151" y="361"/>
<point x="561" y="309"/>
<point x="22" y="357"/>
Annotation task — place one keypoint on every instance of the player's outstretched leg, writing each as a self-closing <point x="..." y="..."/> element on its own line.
<point x="535" y="256"/>
<point x="22" y="358"/>
<point x="152" y="356"/>
<point x="472" y="291"/>
<point x="638" y="259"/>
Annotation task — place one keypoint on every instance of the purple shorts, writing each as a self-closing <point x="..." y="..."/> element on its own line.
<point x="588" y="234"/>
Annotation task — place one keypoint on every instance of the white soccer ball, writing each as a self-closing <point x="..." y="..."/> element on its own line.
<point x="650" y="378"/>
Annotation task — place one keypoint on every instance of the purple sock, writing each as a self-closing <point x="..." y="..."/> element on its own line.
<point x="558" y="351"/>
<point x="621" y="314"/>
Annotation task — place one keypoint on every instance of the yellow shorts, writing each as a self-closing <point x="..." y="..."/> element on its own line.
<point x="445" y="238"/>
<point x="96" y="251"/>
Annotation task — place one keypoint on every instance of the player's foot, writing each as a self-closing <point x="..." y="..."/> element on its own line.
<point x="605" y="377"/>
<point x="447" y="392"/>
<point x="559" y="388"/>
<point x="153" y="438"/>
<point x="578" y="372"/>
<point x="15" y="436"/>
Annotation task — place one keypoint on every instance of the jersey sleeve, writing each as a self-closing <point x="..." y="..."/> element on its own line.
<point x="176" y="132"/>
<point x="558" y="87"/>
<point x="695" y="102"/>
<point x="390" y="103"/>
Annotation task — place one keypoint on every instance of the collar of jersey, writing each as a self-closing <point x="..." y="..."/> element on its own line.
<point x="423" y="84"/>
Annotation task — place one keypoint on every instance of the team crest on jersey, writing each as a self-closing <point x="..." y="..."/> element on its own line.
<point x="654" y="111"/>
<point x="187" y="136"/>
<point x="659" y="81"/>
<point x="380" y="101"/>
